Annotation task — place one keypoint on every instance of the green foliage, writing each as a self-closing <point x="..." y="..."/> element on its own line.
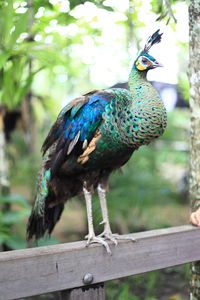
<point x="46" y="241"/>
<point x="184" y="86"/>
<point x="22" y="57"/>
<point x="99" y="3"/>
<point x="164" y="9"/>
<point x="14" y="209"/>
<point x="24" y="167"/>
<point x="183" y="82"/>
<point x="13" y="62"/>
<point x="151" y="285"/>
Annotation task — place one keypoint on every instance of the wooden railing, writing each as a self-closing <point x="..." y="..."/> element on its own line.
<point x="80" y="271"/>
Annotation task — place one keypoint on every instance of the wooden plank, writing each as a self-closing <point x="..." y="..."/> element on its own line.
<point x="51" y="268"/>
<point x="92" y="292"/>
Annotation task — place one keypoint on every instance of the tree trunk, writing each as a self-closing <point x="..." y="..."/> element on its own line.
<point x="4" y="182"/>
<point x="4" y="179"/>
<point x="194" y="65"/>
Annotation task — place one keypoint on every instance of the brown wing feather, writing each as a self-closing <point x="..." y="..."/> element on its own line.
<point x="83" y="158"/>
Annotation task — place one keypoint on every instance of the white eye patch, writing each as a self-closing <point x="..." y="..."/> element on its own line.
<point x="144" y="61"/>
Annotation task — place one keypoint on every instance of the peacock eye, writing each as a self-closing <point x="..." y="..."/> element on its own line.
<point x="144" y="60"/>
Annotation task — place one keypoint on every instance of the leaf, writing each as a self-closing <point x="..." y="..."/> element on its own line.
<point x="3" y="237"/>
<point x="8" y="84"/>
<point x="99" y="3"/>
<point x="21" y="22"/>
<point x="14" y="199"/>
<point x="6" y="16"/>
<point x="14" y="217"/>
<point x="157" y="6"/>
<point x="74" y="3"/>
<point x="15" y="242"/>
<point x="106" y="7"/>
<point x="3" y="58"/>
<point x="24" y="87"/>
<point x="47" y="241"/>
<point x="47" y="55"/>
<point x="19" y="66"/>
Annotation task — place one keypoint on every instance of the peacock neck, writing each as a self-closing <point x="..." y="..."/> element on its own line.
<point x="137" y="79"/>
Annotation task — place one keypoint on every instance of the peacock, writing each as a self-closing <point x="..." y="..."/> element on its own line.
<point x="94" y="135"/>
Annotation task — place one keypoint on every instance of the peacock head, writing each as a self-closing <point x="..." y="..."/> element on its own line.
<point x="145" y="61"/>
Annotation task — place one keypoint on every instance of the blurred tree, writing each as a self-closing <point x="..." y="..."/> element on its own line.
<point x="194" y="17"/>
<point x="15" y="81"/>
<point x="25" y="50"/>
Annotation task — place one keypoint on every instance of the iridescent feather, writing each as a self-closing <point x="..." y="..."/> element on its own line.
<point x="93" y="135"/>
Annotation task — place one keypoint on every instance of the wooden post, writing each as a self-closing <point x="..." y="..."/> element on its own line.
<point x="91" y="292"/>
<point x="194" y="66"/>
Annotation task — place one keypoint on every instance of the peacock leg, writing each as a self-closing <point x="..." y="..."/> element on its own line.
<point x="91" y="238"/>
<point x="107" y="233"/>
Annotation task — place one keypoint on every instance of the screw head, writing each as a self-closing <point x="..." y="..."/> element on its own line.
<point x="88" y="278"/>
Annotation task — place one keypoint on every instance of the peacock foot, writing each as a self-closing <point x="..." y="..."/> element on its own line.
<point x="108" y="235"/>
<point x="195" y="217"/>
<point x="97" y="239"/>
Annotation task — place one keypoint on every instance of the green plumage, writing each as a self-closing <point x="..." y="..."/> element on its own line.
<point x="94" y="135"/>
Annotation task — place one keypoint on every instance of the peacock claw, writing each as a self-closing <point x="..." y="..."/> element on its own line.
<point x="114" y="237"/>
<point x="97" y="239"/>
<point x="109" y="236"/>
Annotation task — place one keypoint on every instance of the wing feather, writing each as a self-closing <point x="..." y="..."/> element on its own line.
<point x="75" y="128"/>
<point x="73" y="143"/>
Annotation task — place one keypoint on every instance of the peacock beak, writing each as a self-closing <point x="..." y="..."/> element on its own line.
<point x="156" y="64"/>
